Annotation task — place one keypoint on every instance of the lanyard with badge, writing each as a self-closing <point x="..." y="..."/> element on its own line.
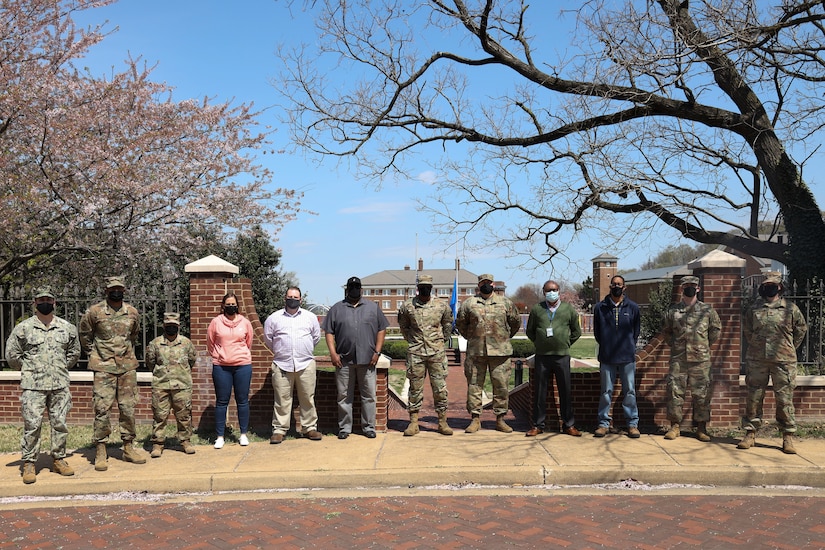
<point x="551" y="316"/>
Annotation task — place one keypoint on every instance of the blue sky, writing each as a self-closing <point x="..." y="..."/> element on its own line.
<point x="227" y="51"/>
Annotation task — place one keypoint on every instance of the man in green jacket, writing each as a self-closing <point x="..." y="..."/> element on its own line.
<point x="552" y="326"/>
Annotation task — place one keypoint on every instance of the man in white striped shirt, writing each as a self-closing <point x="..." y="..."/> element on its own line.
<point x="292" y="333"/>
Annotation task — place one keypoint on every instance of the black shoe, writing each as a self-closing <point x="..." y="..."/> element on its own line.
<point x="343" y="435"/>
<point x="369" y="435"/>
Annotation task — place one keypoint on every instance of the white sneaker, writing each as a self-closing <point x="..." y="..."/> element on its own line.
<point x="219" y="443"/>
<point x="244" y="441"/>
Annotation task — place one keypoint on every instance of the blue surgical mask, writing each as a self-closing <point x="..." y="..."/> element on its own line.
<point x="552" y="296"/>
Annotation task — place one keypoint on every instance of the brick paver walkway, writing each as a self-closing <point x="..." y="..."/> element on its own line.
<point x="462" y="521"/>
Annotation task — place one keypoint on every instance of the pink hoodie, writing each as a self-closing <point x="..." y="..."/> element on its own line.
<point x="229" y="341"/>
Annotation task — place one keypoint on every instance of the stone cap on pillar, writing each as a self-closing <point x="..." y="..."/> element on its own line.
<point x="211" y="264"/>
<point x="716" y="258"/>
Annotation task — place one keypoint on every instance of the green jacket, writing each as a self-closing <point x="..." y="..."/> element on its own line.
<point x="566" y="328"/>
<point x="426" y="326"/>
<point x="691" y="331"/>
<point x="171" y="363"/>
<point x="43" y="354"/>
<point x="774" y="330"/>
<point x="488" y="325"/>
<point x="108" y="337"/>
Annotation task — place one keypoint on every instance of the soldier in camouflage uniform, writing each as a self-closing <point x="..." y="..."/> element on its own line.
<point x="774" y="328"/>
<point x="44" y="348"/>
<point x="108" y="333"/>
<point x="426" y="324"/>
<point x="488" y="321"/>
<point x="690" y="328"/>
<point x="171" y="358"/>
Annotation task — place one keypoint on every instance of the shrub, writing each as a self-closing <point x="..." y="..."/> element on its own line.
<point x="523" y="348"/>
<point x="395" y="349"/>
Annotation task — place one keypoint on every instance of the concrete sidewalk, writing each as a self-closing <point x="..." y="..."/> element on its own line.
<point x="429" y="459"/>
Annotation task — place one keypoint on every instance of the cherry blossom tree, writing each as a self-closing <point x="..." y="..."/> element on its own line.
<point x="699" y="116"/>
<point x="105" y="174"/>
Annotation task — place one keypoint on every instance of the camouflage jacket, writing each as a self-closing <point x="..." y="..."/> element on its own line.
<point x="774" y="330"/>
<point x="691" y="330"/>
<point x="171" y="362"/>
<point x="43" y="354"/>
<point x="488" y="325"/>
<point x="108" y="337"/>
<point x="425" y="325"/>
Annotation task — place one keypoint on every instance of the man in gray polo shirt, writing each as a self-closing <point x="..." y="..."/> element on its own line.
<point x="354" y="331"/>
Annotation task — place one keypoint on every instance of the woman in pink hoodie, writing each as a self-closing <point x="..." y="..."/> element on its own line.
<point x="229" y="339"/>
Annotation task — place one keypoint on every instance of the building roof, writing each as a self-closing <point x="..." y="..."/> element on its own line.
<point x="658" y="274"/>
<point x="406" y="277"/>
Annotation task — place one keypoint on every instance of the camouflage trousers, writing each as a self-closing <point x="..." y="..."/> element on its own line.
<point x="33" y="404"/>
<point x="684" y="374"/>
<point x="475" y="369"/>
<point x="108" y="389"/>
<point x="418" y="367"/>
<point x="166" y="401"/>
<point x="783" y="376"/>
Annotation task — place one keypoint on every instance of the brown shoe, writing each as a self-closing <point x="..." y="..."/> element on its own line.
<point x="533" y="432"/>
<point x="633" y="432"/>
<point x="157" y="450"/>
<point x="314" y="435"/>
<point x="62" y="467"/>
<point x="475" y="424"/>
<point x="601" y="431"/>
<point x="276" y="438"/>
<point x="29" y="473"/>
<point x="571" y="430"/>
<point x="188" y="448"/>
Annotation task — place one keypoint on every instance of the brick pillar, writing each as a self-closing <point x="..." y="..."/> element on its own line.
<point x="720" y="275"/>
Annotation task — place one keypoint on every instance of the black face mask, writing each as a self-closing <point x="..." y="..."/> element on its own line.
<point x="769" y="291"/>
<point x="425" y="291"/>
<point x="293" y="303"/>
<point x="486" y="288"/>
<point x="116" y="295"/>
<point x="354" y="294"/>
<point x="45" y="308"/>
<point x="689" y="291"/>
<point x="170" y="330"/>
<point x="616" y="292"/>
<point x="230" y="310"/>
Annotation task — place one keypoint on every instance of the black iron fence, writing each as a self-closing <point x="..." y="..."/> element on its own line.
<point x="810" y="299"/>
<point x="151" y="310"/>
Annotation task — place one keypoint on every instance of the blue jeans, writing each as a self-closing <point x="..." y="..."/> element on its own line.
<point x="226" y="378"/>
<point x="626" y="372"/>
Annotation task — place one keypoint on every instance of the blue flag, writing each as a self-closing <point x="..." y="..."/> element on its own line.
<point x="454" y="298"/>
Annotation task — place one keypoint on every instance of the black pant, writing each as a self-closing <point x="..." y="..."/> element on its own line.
<point x="546" y="368"/>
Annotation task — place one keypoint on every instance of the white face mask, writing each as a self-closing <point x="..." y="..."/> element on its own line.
<point x="552" y="296"/>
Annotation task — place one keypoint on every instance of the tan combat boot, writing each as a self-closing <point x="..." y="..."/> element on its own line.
<point x="474" y="425"/>
<point x="673" y="432"/>
<point x="29" y="473"/>
<point x="157" y="450"/>
<point x="702" y="432"/>
<point x="748" y="441"/>
<point x="188" y="448"/>
<point x="101" y="463"/>
<point x="62" y="467"/>
<point x="787" y="444"/>
<point x="130" y="454"/>
<point x="412" y="428"/>
<point x="502" y="426"/>
<point x="443" y="427"/>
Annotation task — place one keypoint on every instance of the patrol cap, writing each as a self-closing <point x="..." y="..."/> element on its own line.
<point x="689" y="280"/>
<point x="171" y="318"/>
<point x="425" y="280"/>
<point x="486" y="277"/>
<point x="112" y="282"/>
<point x="774" y="277"/>
<point x="353" y="282"/>
<point x="43" y="292"/>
